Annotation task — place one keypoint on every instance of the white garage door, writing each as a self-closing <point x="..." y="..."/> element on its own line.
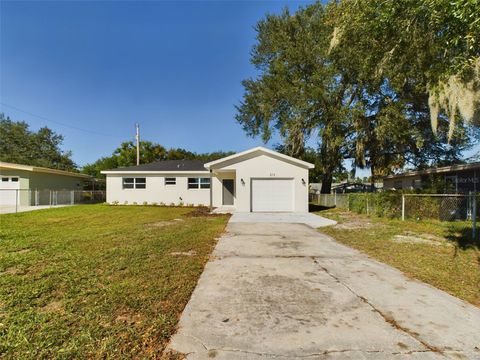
<point x="272" y="195"/>
<point x="8" y="187"/>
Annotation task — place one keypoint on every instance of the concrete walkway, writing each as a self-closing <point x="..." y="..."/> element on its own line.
<point x="284" y="291"/>
<point x="309" y="219"/>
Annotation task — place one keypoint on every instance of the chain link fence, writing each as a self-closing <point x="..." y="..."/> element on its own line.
<point x="459" y="211"/>
<point x="15" y="200"/>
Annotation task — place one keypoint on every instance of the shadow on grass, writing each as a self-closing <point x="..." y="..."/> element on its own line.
<point x="315" y="207"/>
<point x="463" y="237"/>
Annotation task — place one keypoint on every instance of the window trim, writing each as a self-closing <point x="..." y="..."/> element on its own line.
<point x="198" y="183"/>
<point x="5" y="179"/>
<point x="170" y="181"/>
<point x="135" y="184"/>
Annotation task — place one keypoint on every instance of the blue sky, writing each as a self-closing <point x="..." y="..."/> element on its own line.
<point x="174" y="67"/>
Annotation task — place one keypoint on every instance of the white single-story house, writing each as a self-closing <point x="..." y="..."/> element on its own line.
<point x="254" y="180"/>
<point x="25" y="185"/>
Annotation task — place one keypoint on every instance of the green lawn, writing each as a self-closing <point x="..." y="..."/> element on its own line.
<point x="441" y="261"/>
<point x="98" y="281"/>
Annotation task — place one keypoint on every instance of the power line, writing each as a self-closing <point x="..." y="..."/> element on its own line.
<point x="58" y="122"/>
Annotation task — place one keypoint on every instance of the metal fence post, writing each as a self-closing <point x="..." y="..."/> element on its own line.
<point x="16" y="200"/>
<point x="72" y="197"/>
<point x="474" y="216"/>
<point x="403" y="207"/>
<point x="335" y="199"/>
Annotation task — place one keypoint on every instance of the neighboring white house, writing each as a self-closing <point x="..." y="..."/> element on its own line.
<point x="24" y="184"/>
<point x="258" y="179"/>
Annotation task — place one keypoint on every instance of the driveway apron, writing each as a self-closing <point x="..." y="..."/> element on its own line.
<point x="281" y="290"/>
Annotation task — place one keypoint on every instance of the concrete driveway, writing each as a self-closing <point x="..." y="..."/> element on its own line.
<point x="309" y="219"/>
<point x="277" y="290"/>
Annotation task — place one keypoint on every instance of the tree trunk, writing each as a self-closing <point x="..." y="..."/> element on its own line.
<point x="326" y="183"/>
<point x="372" y="177"/>
<point x="330" y="158"/>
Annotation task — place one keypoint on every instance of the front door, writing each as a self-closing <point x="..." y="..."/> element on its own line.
<point x="228" y="191"/>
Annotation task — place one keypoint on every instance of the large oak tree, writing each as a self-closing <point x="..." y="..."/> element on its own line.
<point x="330" y="71"/>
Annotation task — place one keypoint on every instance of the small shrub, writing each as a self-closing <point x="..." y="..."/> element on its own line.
<point x="134" y="203"/>
<point x="145" y="203"/>
<point x="181" y="203"/>
<point x="162" y="203"/>
<point x="125" y="203"/>
<point x="172" y="204"/>
<point x="114" y="202"/>
<point x="154" y="204"/>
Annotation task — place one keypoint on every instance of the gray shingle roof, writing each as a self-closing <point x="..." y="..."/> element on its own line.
<point x="167" y="165"/>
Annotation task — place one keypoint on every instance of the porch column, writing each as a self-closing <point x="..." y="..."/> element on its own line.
<point x="211" y="191"/>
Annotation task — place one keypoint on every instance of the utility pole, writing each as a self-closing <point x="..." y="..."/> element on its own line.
<point x="137" y="138"/>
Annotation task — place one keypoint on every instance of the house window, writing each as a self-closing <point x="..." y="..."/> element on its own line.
<point x="4" y="179"/>
<point x="199" y="183"/>
<point x="204" y="183"/>
<point x="134" y="183"/>
<point x="14" y="179"/>
<point x="170" y="181"/>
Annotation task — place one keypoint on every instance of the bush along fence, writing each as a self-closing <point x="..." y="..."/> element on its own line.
<point x="461" y="210"/>
<point x="20" y="198"/>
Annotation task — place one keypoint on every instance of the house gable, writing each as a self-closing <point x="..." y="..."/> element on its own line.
<point x="226" y="162"/>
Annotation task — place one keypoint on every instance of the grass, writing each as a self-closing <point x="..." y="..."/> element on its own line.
<point x="449" y="265"/>
<point x="98" y="281"/>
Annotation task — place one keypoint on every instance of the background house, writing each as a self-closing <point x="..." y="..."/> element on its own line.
<point x="461" y="178"/>
<point x="25" y="183"/>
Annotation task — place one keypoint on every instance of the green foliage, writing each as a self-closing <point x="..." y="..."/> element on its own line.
<point x="20" y="145"/>
<point x="385" y="204"/>
<point x="299" y="91"/>
<point x="426" y="46"/>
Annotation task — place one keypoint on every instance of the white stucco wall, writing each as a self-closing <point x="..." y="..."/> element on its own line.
<point x="264" y="166"/>
<point x="156" y="191"/>
<point x="261" y="166"/>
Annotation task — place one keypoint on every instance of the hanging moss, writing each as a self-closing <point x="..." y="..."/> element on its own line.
<point x="456" y="96"/>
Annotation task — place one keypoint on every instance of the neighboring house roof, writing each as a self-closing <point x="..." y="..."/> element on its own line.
<point x="164" y="166"/>
<point x="38" y="169"/>
<point x="437" y="170"/>
<point x="254" y="152"/>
